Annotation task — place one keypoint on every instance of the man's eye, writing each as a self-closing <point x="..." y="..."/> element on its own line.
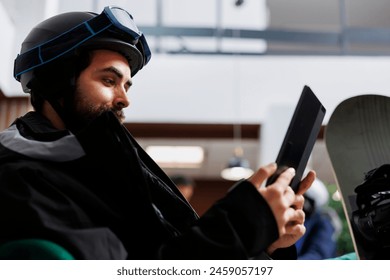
<point x="109" y="81"/>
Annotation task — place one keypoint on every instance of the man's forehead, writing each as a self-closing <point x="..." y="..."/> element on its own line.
<point x="111" y="61"/>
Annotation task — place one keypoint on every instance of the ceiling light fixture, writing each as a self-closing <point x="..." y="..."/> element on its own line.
<point x="238" y="167"/>
<point x="177" y="156"/>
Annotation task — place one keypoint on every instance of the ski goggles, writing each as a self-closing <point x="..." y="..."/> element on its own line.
<point x="113" y="19"/>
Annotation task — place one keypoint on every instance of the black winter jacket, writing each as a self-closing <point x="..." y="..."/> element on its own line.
<point x="99" y="195"/>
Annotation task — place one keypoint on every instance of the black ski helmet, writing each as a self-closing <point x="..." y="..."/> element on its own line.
<point x="61" y="36"/>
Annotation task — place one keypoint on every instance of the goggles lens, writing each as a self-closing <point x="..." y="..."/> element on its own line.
<point x="112" y="18"/>
<point x="122" y="19"/>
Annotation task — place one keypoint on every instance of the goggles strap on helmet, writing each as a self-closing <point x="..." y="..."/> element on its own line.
<point x="113" y="19"/>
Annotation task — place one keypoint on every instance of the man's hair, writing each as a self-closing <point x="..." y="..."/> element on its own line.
<point x="58" y="79"/>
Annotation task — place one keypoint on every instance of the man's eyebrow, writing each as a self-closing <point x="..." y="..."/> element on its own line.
<point x="118" y="73"/>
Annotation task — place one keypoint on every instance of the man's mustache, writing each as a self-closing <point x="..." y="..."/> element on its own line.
<point x="119" y="114"/>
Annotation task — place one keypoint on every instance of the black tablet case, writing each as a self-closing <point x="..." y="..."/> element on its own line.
<point x="301" y="136"/>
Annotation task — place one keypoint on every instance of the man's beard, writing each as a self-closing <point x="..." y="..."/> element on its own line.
<point x="81" y="112"/>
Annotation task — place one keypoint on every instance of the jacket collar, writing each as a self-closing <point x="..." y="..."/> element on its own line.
<point x="33" y="136"/>
<point x="35" y="126"/>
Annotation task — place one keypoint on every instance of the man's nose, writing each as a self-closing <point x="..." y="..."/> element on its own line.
<point x="121" y="100"/>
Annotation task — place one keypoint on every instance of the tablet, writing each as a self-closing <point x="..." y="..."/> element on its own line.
<point x="301" y="136"/>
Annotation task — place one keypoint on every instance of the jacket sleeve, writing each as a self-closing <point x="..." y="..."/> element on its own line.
<point x="239" y="226"/>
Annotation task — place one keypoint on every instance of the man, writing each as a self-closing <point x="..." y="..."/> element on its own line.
<point x="72" y="174"/>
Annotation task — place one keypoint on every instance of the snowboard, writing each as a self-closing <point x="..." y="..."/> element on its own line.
<point x="357" y="139"/>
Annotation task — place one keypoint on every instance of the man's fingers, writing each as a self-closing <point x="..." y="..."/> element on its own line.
<point x="299" y="201"/>
<point x="286" y="176"/>
<point x="262" y="174"/>
<point x="306" y="182"/>
<point x="296" y="229"/>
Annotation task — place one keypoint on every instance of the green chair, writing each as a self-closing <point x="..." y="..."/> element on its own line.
<point x="33" y="249"/>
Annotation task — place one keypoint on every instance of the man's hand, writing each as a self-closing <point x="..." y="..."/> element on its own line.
<point x="286" y="205"/>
